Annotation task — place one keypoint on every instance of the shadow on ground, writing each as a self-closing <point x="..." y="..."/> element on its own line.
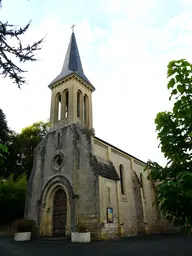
<point x="157" y="245"/>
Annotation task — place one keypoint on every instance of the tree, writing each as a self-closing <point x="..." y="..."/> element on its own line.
<point x="13" y="53"/>
<point x="12" y="199"/>
<point x="174" y="128"/>
<point x="19" y="159"/>
<point x="11" y="165"/>
<point x="3" y="128"/>
<point x="4" y="133"/>
<point x="24" y="144"/>
<point x="3" y="152"/>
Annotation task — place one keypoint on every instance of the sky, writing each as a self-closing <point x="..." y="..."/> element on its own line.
<point x="125" y="46"/>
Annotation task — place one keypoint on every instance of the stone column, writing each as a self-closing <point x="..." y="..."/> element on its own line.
<point x="52" y="107"/>
<point x="56" y="108"/>
<point x="71" y="103"/>
<point x="109" y="153"/>
<point x="63" y="105"/>
<point x="74" y="102"/>
<point x="90" y="114"/>
<point x="102" y="218"/>
<point x="144" y="211"/>
<point x="81" y="107"/>
<point x="120" y="221"/>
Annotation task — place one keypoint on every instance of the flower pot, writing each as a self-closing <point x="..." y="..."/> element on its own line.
<point x="77" y="237"/>
<point x="22" y="236"/>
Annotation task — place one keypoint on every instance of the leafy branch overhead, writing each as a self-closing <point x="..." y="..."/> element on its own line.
<point x="13" y="52"/>
<point x="174" y="128"/>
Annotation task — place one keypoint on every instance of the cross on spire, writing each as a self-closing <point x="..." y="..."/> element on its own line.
<point x="72" y="27"/>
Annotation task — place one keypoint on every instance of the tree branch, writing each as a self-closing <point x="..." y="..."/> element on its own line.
<point x="8" y="52"/>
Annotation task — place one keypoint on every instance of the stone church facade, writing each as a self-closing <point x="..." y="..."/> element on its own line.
<point x="80" y="181"/>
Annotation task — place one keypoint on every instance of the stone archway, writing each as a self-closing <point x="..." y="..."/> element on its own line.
<point x="59" y="213"/>
<point x="51" y="198"/>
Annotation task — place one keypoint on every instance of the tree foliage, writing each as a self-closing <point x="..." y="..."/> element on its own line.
<point x="13" y="52"/>
<point x="17" y="150"/>
<point x="3" y="152"/>
<point x="3" y="128"/>
<point x="16" y="161"/>
<point x="4" y="132"/>
<point x="27" y="141"/>
<point x="21" y="150"/>
<point x="174" y="128"/>
<point x="12" y="199"/>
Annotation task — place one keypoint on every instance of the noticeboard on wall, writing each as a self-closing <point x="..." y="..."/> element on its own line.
<point x="110" y="215"/>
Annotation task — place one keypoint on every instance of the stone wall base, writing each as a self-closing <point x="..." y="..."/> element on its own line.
<point x="114" y="231"/>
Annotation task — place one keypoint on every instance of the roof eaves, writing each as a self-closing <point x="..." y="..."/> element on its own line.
<point x="121" y="150"/>
<point x="51" y="85"/>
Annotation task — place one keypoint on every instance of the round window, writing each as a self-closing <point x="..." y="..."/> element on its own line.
<point x="58" y="160"/>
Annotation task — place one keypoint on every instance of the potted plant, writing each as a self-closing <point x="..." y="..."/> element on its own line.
<point x="82" y="236"/>
<point x="23" y="229"/>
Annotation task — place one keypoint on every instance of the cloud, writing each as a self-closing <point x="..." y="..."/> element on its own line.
<point x="132" y="9"/>
<point x="186" y="3"/>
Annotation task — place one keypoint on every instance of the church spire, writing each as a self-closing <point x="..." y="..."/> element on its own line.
<point x="72" y="62"/>
<point x="71" y="100"/>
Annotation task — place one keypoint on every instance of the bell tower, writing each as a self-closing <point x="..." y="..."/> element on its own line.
<point x="71" y="99"/>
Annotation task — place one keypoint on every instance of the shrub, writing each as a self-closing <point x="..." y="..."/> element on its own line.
<point x="12" y="196"/>
<point x="24" y="225"/>
<point x="82" y="229"/>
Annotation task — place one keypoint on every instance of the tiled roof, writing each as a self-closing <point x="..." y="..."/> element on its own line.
<point x="72" y="63"/>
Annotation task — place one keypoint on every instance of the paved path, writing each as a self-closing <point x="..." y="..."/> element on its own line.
<point x="163" y="245"/>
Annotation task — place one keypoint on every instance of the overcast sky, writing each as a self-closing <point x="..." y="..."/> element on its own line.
<point x="124" y="45"/>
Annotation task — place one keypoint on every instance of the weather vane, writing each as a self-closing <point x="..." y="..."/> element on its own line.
<point x="73" y="27"/>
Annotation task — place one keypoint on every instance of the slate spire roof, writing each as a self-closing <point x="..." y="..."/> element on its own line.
<point x="72" y="62"/>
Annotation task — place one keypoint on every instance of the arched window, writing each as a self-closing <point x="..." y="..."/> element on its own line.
<point x="142" y="185"/>
<point x="58" y="107"/>
<point x="121" y="172"/>
<point x="85" y="109"/>
<point x="79" y="96"/>
<point x="66" y="103"/>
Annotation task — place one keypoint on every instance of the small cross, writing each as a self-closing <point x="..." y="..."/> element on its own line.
<point x="73" y="27"/>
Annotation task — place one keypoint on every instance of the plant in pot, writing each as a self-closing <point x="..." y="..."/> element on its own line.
<point x="82" y="229"/>
<point x="23" y="229"/>
<point x="82" y="236"/>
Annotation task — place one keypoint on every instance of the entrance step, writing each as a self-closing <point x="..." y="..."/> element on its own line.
<point x="52" y="238"/>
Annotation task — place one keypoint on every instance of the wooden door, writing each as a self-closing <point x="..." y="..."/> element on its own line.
<point x="59" y="213"/>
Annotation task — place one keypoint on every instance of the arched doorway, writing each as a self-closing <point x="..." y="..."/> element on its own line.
<point x="59" y="213"/>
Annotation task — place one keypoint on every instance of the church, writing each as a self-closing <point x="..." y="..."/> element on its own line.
<point x="80" y="182"/>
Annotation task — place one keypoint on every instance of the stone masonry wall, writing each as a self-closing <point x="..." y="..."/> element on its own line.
<point x="35" y="183"/>
<point x="87" y="183"/>
<point x="108" y="199"/>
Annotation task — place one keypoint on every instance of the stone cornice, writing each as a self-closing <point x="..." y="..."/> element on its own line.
<point x="71" y="77"/>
